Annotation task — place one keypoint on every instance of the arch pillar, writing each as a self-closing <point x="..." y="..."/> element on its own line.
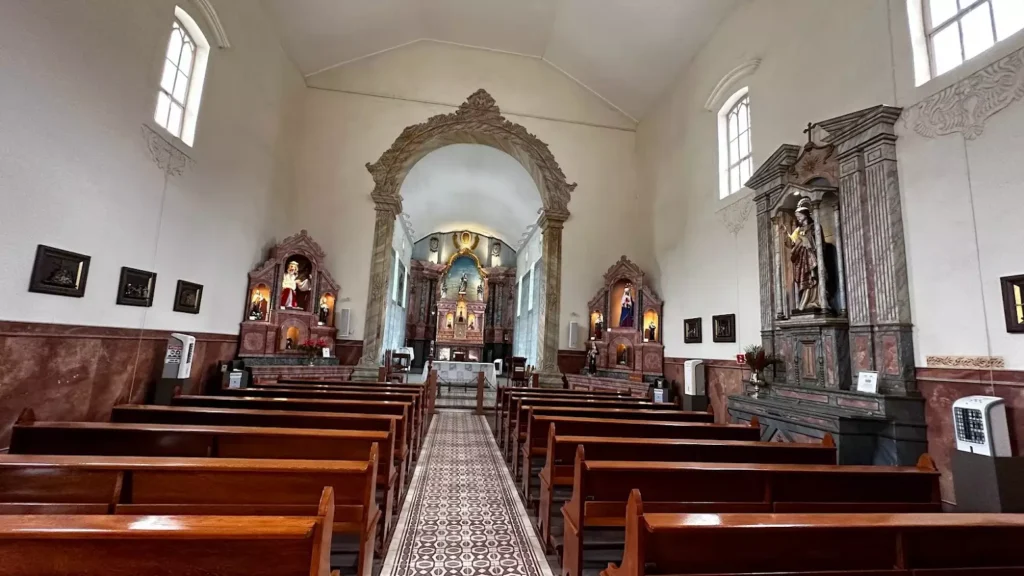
<point x="551" y="225"/>
<point x="387" y="209"/>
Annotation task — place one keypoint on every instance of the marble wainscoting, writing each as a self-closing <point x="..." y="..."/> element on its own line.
<point x="722" y="378"/>
<point x="66" y="372"/>
<point x="348" y="351"/>
<point x="943" y="386"/>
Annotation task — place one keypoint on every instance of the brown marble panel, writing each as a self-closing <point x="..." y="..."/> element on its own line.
<point x="1014" y="397"/>
<point x="890" y="355"/>
<point x="66" y="372"/>
<point x="722" y="383"/>
<point x="673" y="369"/>
<point x="809" y="396"/>
<point x="861" y="353"/>
<point x="857" y="403"/>
<point x="348" y="351"/>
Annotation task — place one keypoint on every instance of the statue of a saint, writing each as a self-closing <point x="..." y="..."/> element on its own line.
<point x="444" y="287"/>
<point x="652" y="331"/>
<point x="626" y="313"/>
<point x="592" y="358"/>
<point x="480" y="291"/>
<point x="598" y="326"/>
<point x="291" y="284"/>
<point x="463" y="284"/>
<point x="324" y="313"/>
<point x="258" y="309"/>
<point x="804" y="257"/>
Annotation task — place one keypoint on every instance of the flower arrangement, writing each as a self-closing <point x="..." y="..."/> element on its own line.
<point x="755" y="357"/>
<point x="311" y="348"/>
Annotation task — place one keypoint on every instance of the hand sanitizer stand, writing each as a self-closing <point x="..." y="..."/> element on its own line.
<point x="986" y="477"/>
<point x="177" y="369"/>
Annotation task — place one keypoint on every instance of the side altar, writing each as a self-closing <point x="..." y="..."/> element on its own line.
<point x="624" y="340"/>
<point x="834" y="296"/>
<point x="461" y="309"/>
<point x="291" y="298"/>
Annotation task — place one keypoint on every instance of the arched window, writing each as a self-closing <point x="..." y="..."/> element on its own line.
<point x="957" y="30"/>
<point x="734" y="151"/>
<point x="182" y="77"/>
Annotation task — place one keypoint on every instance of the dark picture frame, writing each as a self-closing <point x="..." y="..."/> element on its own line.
<point x="136" y="287"/>
<point x="723" y="328"/>
<point x="692" y="331"/>
<point x="1013" y="292"/>
<point x="188" y="297"/>
<point x="59" y="272"/>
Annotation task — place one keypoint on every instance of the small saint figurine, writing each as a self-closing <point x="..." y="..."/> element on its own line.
<point x="480" y="291"/>
<point x="291" y="284"/>
<point x="289" y="344"/>
<point x="652" y="331"/>
<point x="324" y="313"/>
<point x="592" y="358"/>
<point x="626" y="313"/>
<point x="258" y="308"/>
<point x="463" y="283"/>
<point x="804" y="257"/>
<point x="598" y="326"/>
<point x="444" y="288"/>
<point x="472" y="324"/>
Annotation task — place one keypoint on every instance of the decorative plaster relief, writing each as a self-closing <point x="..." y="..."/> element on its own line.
<point x="965" y="106"/>
<point x="213" y="20"/>
<point x="977" y="362"/>
<point x="165" y="155"/>
<point x="724" y="86"/>
<point x="735" y="215"/>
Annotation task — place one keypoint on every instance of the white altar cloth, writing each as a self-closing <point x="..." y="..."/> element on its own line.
<point x="464" y="372"/>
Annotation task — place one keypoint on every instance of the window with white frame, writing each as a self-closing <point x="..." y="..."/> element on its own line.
<point x="182" y="78"/>
<point x="734" y="151"/>
<point x="958" y="30"/>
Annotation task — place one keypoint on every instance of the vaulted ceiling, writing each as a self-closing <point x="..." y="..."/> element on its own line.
<point x="627" y="51"/>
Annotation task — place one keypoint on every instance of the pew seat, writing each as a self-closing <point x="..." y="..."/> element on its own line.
<point x="817" y="544"/>
<point x="111" y="545"/>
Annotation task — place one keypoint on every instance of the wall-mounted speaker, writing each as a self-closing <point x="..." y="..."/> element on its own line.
<point x="344" y="319"/>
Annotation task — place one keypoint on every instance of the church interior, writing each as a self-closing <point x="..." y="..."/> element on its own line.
<point x="511" y="287"/>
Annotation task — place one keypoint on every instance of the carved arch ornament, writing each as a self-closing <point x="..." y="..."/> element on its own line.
<point x="477" y="121"/>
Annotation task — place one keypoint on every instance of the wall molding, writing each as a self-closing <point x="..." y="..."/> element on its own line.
<point x="735" y="215"/>
<point x="976" y="362"/>
<point x="167" y="157"/>
<point x="725" y="86"/>
<point x="967" y="105"/>
<point x="13" y="329"/>
<point x="213" y="20"/>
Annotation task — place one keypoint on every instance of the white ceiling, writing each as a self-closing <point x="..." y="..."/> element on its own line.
<point x="628" y="51"/>
<point x="470" y="187"/>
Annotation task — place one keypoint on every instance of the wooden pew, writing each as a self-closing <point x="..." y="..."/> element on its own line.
<point x="502" y="404"/>
<point x="32" y="484"/>
<point x="204" y="441"/>
<point x="391" y="474"/>
<point x="428" y="387"/>
<point x="602" y="488"/>
<point x="558" y="471"/>
<point x="818" y="544"/>
<point x="516" y="425"/>
<point x="99" y="545"/>
<point x="415" y="411"/>
<point x="311" y="405"/>
<point x="534" y="444"/>
<point x="421" y="390"/>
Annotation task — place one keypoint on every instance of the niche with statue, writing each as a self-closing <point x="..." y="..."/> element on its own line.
<point x="291" y="299"/>
<point x="625" y="325"/>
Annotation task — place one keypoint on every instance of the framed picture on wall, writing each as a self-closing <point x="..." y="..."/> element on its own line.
<point x="188" y="296"/>
<point x="59" y="272"/>
<point x="723" y="328"/>
<point x="136" y="287"/>
<point x="1013" y="302"/>
<point x="691" y="331"/>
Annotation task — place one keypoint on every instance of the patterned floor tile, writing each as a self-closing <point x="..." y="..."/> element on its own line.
<point x="462" y="516"/>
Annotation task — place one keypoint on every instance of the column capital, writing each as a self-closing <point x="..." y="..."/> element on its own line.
<point x="552" y="219"/>
<point x="387" y="203"/>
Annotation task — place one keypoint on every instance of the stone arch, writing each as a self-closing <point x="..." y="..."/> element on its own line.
<point x="478" y="120"/>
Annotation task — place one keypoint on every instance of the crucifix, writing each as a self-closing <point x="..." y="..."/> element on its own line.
<point x="809" y="131"/>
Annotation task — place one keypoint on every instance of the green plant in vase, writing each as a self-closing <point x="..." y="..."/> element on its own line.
<point x="757" y="359"/>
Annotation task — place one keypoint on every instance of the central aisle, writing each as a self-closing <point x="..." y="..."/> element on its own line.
<point x="462" y="516"/>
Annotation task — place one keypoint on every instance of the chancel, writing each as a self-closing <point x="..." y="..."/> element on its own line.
<point x="511" y="287"/>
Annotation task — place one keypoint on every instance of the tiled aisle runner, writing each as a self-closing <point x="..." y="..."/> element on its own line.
<point x="462" y="516"/>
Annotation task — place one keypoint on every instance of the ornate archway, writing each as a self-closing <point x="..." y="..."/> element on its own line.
<point x="477" y="121"/>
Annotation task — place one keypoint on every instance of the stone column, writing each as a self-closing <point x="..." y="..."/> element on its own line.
<point x="781" y="311"/>
<point x="819" y="243"/>
<point x="377" y="295"/>
<point x="547" y="338"/>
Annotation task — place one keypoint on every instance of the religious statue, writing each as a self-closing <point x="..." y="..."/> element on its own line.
<point x="804" y="256"/>
<point x="626" y="313"/>
<point x="652" y="332"/>
<point x="472" y="324"/>
<point x="444" y="287"/>
<point x="480" y="291"/>
<point x="598" y="326"/>
<point x="463" y="284"/>
<point x="289" y="344"/>
<point x="592" y="358"/>
<point x="622" y="357"/>
<point x="258" y="308"/>
<point x="323" y="315"/>
<point x="291" y="285"/>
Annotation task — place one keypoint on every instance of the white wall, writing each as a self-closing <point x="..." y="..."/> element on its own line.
<point x="79" y="81"/>
<point x="345" y="127"/>
<point x="820" y="59"/>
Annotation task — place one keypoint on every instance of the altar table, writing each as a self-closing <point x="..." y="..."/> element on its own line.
<point x="461" y="373"/>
